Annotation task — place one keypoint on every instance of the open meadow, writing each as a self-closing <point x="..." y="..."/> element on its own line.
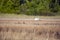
<point x="46" y="28"/>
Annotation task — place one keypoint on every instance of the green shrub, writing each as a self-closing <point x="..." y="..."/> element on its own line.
<point x="34" y="7"/>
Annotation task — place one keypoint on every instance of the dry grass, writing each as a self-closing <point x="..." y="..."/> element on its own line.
<point x="6" y="15"/>
<point x="29" y="30"/>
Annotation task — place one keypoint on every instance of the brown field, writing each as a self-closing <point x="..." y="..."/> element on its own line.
<point x="30" y="29"/>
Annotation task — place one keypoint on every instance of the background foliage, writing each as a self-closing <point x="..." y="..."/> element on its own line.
<point x="31" y="7"/>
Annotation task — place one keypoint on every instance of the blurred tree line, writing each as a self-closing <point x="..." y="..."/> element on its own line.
<point x="31" y="7"/>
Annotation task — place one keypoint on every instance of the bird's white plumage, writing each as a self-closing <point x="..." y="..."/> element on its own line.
<point x="36" y="19"/>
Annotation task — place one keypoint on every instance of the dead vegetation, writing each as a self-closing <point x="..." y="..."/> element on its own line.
<point x="35" y="30"/>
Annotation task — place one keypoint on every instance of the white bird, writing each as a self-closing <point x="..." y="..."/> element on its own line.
<point x="36" y="19"/>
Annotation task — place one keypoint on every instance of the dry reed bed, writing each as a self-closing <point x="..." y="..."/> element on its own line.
<point x="22" y="30"/>
<point x="31" y="22"/>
